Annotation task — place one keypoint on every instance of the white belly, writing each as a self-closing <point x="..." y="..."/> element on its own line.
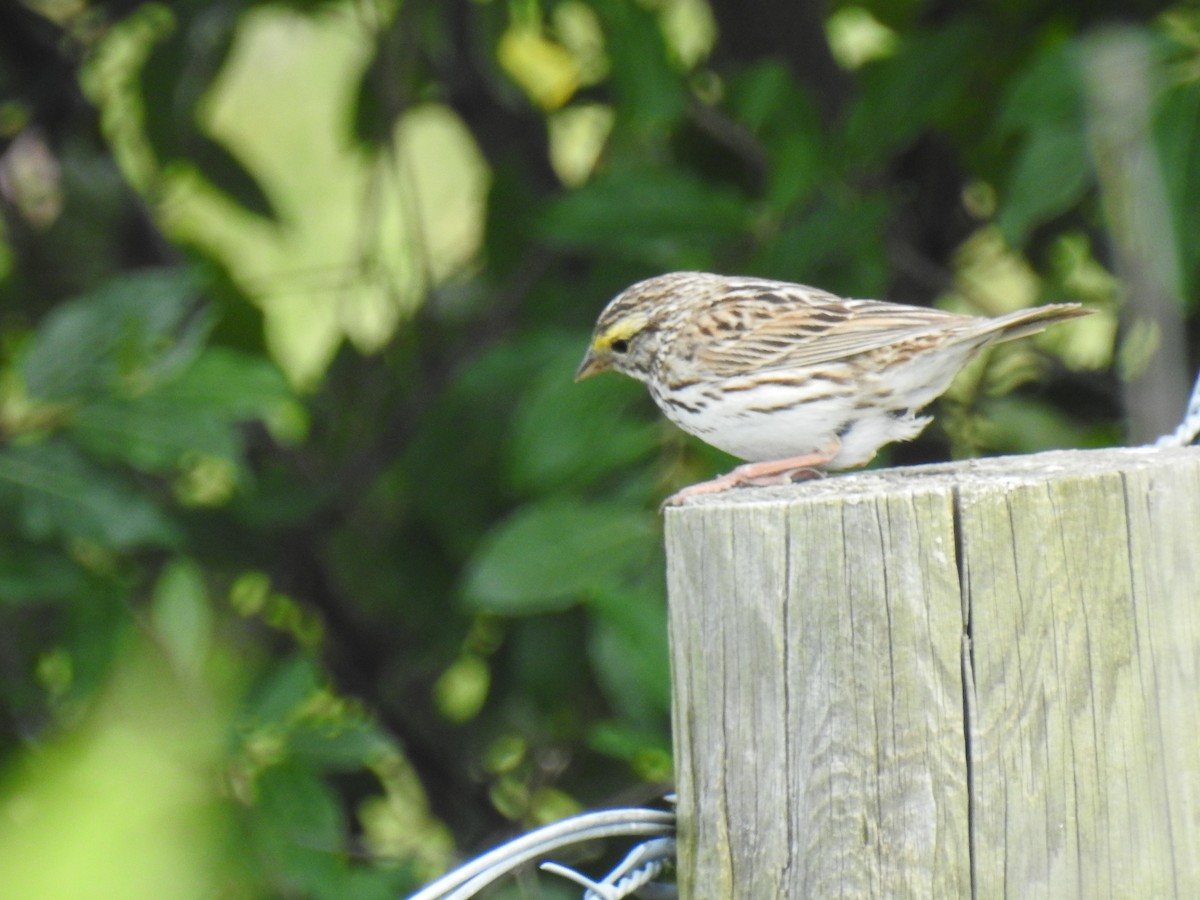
<point x="777" y="422"/>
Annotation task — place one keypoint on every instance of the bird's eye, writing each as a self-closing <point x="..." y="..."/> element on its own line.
<point x="620" y="346"/>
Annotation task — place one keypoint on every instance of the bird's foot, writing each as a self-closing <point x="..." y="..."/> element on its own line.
<point x="759" y="474"/>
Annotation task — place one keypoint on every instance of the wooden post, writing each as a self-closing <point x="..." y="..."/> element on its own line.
<point x="974" y="679"/>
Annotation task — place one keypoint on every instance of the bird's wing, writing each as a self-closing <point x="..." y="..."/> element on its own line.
<point x="792" y="326"/>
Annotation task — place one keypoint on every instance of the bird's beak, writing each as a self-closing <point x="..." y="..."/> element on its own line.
<point x="591" y="365"/>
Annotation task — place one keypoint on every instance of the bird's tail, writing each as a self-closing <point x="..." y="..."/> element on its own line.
<point x="1030" y="321"/>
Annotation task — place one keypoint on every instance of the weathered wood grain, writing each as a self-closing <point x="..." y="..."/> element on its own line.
<point x="977" y="678"/>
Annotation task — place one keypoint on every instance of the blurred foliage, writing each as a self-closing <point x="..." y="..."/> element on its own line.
<point x="316" y="570"/>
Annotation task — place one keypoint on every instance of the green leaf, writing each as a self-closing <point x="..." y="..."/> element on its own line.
<point x="649" y="215"/>
<point x="452" y="470"/>
<point x="650" y="90"/>
<point x="152" y="433"/>
<point x="194" y="413"/>
<point x="1047" y="92"/>
<point x="648" y="751"/>
<point x="344" y="744"/>
<point x="30" y="573"/>
<point x="182" y="617"/>
<point x="234" y="386"/>
<point x="764" y="92"/>
<point x="55" y="492"/>
<point x="628" y="648"/>
<point x="565" y="433"/>
<point x="1051" y="170"/>
<point x="911" y="92"/>
<point x="293" y="682"/>
<point x="767" y="100"/>
<point x="1015" y="424"/>
<point x="132" y="331"/>
<point x="549" y="555"/>
<point x="799" y="169"/>
<point x="840" y="248"/>
<point x="300" y="829"/>
<point x="546" y="662"/>
<point x="462" y="689"/>
<point x="1051" y="173"/>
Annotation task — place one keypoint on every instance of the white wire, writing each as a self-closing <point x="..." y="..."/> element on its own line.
<point x="467" y="880"/>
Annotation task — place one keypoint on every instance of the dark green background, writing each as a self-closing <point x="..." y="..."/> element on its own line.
<point x="264" y="635"/>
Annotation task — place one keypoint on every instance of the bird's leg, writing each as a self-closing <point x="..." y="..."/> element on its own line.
<point x="759" y="474"/>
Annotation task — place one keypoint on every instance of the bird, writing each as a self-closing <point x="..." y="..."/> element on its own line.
<point x="792" y="379"/>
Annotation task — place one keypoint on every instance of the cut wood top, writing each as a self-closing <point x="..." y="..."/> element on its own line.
<point x="988" y="472"/>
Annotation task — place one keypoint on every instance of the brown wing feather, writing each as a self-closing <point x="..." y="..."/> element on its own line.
<point x="795" y="327"/>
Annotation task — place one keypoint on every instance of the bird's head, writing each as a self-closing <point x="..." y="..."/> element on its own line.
<point x="618" y="343"/>
<point x="632" y="328"/>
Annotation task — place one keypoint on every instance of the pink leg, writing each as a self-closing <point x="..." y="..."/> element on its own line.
<point x="775" y="471"/>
